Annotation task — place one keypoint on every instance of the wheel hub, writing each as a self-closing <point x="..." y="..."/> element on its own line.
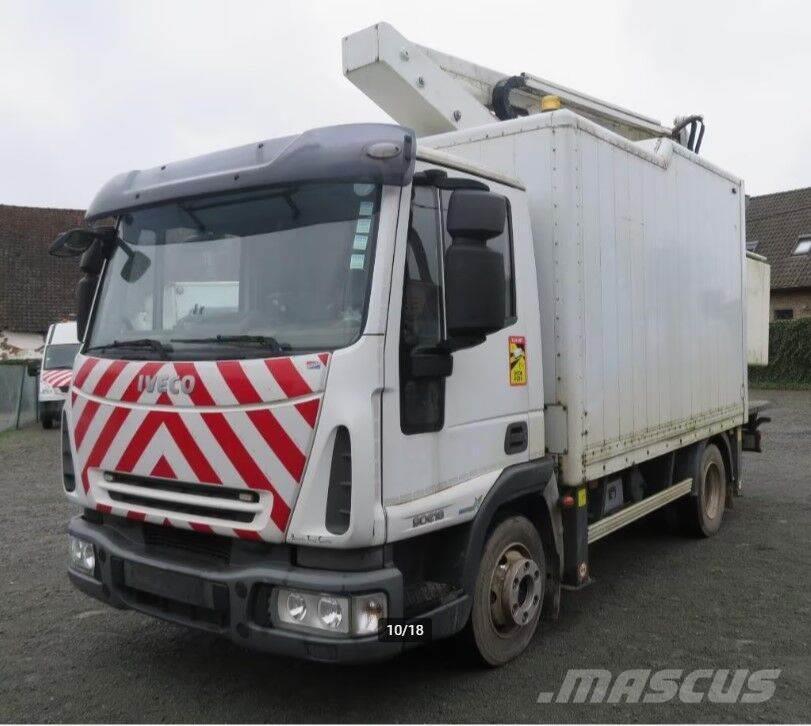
<point x="516" y="589"/>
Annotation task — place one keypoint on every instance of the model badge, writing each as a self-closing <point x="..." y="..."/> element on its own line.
<point x="428" y="517"/>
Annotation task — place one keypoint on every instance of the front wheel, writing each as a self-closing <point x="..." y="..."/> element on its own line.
<point x="509" y="591"/>
<point x="47" y="422"/>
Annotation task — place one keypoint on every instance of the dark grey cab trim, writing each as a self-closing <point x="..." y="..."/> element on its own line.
<point x="352" y="153"/>
<point x="532" y="478"/>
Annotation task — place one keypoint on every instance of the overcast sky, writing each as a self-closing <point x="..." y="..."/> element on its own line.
<point x="89" y="89"/>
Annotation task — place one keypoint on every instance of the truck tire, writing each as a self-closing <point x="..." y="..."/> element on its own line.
<point x="47" y="422"/>
<point x="703" y="512"/>
<point x="509" y="592"/>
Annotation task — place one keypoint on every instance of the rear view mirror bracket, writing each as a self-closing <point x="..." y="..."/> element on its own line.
<point x="77" y="241"/>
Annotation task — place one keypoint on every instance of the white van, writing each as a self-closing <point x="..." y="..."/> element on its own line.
<point x="61" y="346"/>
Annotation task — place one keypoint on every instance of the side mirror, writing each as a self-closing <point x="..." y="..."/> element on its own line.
<point x="136" y="265"/>
<point x="75" y="242"/>
<point x="90" y="264"/>
<point x="475" y="288"/>
<point x="33" y="369"/>
<point x="85" y="290"/>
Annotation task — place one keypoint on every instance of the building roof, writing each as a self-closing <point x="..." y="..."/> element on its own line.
<point x="776" y="222"/>
<point x="35" y="289"/>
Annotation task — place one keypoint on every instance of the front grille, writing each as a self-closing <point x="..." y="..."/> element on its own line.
<point x="230" y="505"/>
<point x="215" y="491"/>
<point x="206" y="545"/>
<point x="181" y="507"/>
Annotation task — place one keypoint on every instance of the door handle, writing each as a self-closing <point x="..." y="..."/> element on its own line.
<point x="516" y="439"/>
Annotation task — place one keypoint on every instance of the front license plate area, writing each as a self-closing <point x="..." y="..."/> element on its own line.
<point x="164" y="583"/>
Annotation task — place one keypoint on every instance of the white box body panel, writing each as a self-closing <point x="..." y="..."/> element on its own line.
<point x="758" y="284"/>
<point x="640" y="253"/>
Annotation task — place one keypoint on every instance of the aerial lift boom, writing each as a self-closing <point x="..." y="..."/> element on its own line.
<point x="434" y="93"/>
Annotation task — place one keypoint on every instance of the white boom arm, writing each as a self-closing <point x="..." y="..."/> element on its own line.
<point x="433" y="92"/>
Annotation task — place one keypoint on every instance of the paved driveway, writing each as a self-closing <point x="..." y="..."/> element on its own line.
<point x="740" y="600"/>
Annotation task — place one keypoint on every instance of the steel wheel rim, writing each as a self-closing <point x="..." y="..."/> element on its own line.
<point x="515" y="590"/>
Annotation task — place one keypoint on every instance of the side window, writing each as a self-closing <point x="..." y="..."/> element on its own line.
<point x="422" y="296"/>
<point x="504" y="244"/>
<point x="422" y="400"/>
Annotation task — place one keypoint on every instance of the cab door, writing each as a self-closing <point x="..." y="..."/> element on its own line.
<point x="447" y="439"/>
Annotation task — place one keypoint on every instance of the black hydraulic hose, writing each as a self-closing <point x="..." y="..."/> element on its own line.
<point x="502" y="107"/>
<point x="700" y="138"/>
<point x="695" y="122"/>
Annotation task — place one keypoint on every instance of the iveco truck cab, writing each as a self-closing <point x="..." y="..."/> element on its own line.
<point x="350" y="390"/>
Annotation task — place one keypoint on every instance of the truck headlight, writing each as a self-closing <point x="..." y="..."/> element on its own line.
<point x="313" y="610"/>
<point x="296" y="607"/>
<point x="82" y="556"/>
<point x="332" y="612"/>
<point x="338" y="614"/>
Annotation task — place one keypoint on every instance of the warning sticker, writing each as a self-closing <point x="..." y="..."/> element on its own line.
<point x="518" y="360"/>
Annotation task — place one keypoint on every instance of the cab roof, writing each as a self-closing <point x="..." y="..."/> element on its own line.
<point x="331" y="153"/>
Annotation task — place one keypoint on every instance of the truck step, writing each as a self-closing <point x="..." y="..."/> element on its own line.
<point x="612" y="523"/>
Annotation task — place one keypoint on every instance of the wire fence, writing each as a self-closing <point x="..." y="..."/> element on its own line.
<point x="18" y="396"/>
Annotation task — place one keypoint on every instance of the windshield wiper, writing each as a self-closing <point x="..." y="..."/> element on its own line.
<point x="161" y="349"/>
<point x="263" y="340"/>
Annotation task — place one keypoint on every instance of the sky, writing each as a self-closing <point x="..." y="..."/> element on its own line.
<point x="90" y="89"/>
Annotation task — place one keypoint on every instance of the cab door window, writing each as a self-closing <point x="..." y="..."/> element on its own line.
<point x="422" y="326"/>
<point x="422" y="296"/>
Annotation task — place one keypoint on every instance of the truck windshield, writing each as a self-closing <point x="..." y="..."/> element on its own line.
<point x="60" y="356"/>
<point x="249" y="274"/>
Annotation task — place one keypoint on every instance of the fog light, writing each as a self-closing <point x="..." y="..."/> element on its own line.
<point x="81" y="555"/>
<point x="367" y="612"/>
<point x="330" y="612"/>
<point x="296" y="606"/>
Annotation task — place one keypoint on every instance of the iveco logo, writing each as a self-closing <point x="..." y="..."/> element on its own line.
<point x="166" y="384"/>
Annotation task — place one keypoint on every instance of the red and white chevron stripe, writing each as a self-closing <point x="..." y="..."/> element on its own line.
<point x="57" y="378"/>
<point x="244" y="423"/>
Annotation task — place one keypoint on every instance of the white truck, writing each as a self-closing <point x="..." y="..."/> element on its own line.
<point x="56" y="371"/>
<point x="452" y="355"/>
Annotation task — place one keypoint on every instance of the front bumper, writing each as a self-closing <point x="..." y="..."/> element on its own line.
<point x="51" y="406"/>
<point x="230" y="598"/>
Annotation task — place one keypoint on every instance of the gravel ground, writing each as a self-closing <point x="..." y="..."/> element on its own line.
<point x="740" y="600"/>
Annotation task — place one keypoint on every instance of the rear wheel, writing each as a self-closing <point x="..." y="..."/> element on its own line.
<point x="509" y="591"/>
<point x="47" y="421"/>
<point x="703" y="513"/>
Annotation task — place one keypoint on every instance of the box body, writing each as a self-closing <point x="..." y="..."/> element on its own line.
<point x="640" y="258"/>
<point x="758" y="283"/>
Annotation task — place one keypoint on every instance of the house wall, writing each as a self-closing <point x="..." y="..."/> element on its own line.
<point x="35" y="288"/>
<point x="799" y="301"/>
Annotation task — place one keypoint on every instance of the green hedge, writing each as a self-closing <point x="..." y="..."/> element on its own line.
<point x="789" y="356"/>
